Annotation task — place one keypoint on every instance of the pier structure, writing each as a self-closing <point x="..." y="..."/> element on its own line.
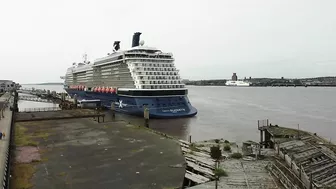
<point x="34" y="98"/>
<point x="305" y="159"/>
<point x="7" y="106"/>
<point x="136" y="156"/>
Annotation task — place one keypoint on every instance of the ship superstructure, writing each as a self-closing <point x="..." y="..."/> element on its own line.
<point x="132" y="78"/>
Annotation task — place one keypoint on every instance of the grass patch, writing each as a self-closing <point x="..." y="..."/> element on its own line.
<point x="62" y="174"/>
<point x="22" y="173"/>
<point x="200" y="145"/>
<point x="236" y="155"/>
<point x="227" y="148"/>
<point x="220" y="172"/>
<point x="193" y="147"/>
<point x="23" y="139"/>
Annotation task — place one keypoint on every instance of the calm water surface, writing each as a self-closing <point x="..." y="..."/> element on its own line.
<point x="232" y="113"/>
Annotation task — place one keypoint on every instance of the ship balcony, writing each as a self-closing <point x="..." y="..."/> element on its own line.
<point x="147" y="59"/>
<point x="160" y="86"/>
<point x="161" y="77"/>
<point x="164" y="82"/>
<point x="153" y="66"/>
<point x="158" y="73"/>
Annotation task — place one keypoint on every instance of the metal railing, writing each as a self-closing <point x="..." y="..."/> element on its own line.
<point x="44" y="109"/>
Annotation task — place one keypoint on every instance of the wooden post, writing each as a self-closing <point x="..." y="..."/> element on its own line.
<point x="261" y="137"/>
<point x="75" y="101"/>
<point x="190" y="138"/>
<point x="113" y="109"/>
<point x="311" y="181"/>
<point x="278" y="147"/>
<point x="146" y="116"/>
<point x="300" y="170"/>
<point x="267" y="122"/>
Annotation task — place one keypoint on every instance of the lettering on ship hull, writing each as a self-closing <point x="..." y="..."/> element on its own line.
<point x="174" y="110"/>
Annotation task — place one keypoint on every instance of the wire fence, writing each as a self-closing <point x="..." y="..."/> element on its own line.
<point x="44" y="109"/>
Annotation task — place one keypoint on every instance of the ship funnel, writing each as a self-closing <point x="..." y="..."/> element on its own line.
<point x="116" y="45"/>
<point x="136" y="39"/>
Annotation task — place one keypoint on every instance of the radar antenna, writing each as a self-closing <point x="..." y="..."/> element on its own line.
<point x="85" y="58"/>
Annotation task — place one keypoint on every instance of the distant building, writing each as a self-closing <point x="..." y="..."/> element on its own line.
<point x="6" y="85"/>
<point x="234" y="77"/>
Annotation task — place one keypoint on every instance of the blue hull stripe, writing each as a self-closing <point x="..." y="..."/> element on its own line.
<point x="159" y="107"/>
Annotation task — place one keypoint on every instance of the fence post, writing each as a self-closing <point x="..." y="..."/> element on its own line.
<point x="113" y="109"/>
<point x="146" y="116"/>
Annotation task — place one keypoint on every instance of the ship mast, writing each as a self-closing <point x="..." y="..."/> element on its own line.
<point x="85" y="58"/>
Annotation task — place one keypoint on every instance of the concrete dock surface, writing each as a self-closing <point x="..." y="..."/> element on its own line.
<point x="81" y="153"/>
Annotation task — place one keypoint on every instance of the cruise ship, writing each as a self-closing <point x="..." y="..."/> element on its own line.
<point x="236" y="83"/>
<point x="132" y="79"/>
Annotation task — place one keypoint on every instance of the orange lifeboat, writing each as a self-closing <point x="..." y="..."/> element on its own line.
<point x="99" y="89"/>
<point x="94" y="89"/>
<point x="103" y="89"/>
<point x="112" y="90"/>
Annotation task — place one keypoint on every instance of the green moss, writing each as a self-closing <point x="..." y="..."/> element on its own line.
<point x="22" y="138"/>
<point x="22" y="174"/>
<point x="227" y="148"/>
<point x="193" y="147"/>
<point x="220" y="172"/>
<point x="62" y="174"/>
<point x="200" y="145"/>
<point x="236" y="155"/>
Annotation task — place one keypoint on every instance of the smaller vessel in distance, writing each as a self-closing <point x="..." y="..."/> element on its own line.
<point x="234" y="82"/>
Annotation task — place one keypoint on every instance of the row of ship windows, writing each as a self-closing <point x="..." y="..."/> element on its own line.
<point x="155" y="65"/>
<point x="147" y="56"/>
<point x="161" y="86"/>
<point x="161" y="82"/>
<point x="156" y="69"/>
<point x="157" y="73"/>
<point x="160" y="77"/>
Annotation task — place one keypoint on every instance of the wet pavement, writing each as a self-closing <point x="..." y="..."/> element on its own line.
<point x="81" y="153"/>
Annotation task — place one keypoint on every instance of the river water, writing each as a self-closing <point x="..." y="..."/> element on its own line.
<point x="232" y="112"/>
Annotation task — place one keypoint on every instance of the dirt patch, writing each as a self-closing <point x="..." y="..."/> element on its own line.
<point x="27" y="154"/>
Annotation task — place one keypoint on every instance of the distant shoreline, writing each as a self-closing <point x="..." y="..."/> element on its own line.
<point x="43" y="84"/>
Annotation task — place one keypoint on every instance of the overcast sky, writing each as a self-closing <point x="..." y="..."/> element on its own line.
<point x="210" y="39"/>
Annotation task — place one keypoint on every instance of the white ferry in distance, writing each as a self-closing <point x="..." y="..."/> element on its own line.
<point x="234" y="82"/>
<point x="132" y="79"/>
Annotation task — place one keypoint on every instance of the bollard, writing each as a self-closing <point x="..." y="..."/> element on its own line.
<point x="75" y="100"/>
<point x="113" y="109"/>
<point x="146" y="116"/>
